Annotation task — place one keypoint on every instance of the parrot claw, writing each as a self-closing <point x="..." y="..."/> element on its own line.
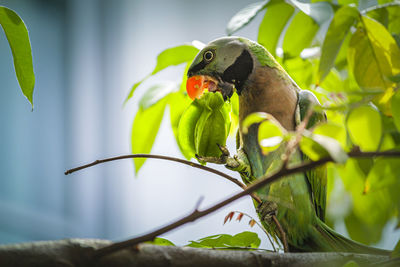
<point x="223" y="159"/>
<point x="224" y="150"/>
<point x="267" y="209"/>
<point x="216" y="160"/>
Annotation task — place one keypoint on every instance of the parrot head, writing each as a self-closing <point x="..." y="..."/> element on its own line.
<point x="224" y="65"/>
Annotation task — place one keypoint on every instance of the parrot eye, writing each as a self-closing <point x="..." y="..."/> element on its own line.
<point x="208" y="55"/>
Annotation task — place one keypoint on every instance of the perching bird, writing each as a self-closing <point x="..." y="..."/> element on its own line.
<point x="299" y="201"/>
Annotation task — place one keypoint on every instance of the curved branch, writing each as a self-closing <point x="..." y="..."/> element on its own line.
<point x="192" y="164"/>
<point x="267" y="179"/>
<point x="150" y="156"/>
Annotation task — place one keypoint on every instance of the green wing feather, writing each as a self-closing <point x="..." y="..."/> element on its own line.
<point x="317" y="177"/>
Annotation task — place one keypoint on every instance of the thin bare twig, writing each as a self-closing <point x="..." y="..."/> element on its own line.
<point x="150" y="156"/>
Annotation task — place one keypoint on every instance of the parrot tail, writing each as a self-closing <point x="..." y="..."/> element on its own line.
<point x="336" y="242"/>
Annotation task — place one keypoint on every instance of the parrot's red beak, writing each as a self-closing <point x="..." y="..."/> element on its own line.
<point x="196" y="85"/>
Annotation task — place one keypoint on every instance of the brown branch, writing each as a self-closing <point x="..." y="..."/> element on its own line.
<point x="253" y="187"/>
<point x="192" y="164"/>
<point x="182" y="161"/>
<point x="282" y="233"/>
<point x="76" y="252"/>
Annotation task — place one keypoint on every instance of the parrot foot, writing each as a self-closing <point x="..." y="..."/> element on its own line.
<point x="217" y="160"/>
<point x="266" y="210"/>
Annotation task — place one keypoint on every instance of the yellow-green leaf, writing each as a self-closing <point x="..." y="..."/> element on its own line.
<point x="204" y="125"/>
<point x="212" y="128"/>
<point x="169" y="57"/>
<point x="317" y="146"/>
<point x="244" y="16"/>
<point x="373" y="57"/>
<point x="270" y="135"/>
<point x="253" y="118"/>
<point x="175" y="56"/>
<point x="320" y="12"/>
<point x="333" y="130"/>
<point x="160" y="242"/>
<point x="340" y="25"/>
<point x="364" y="124"/>
<point x="18" y="39"/>
<point x="144" y="130"/>
<point x="277" y="14"/>
<point x="157" y="92"/>
<point x="242" y="240"/>
<point x="178" y="103"/>
<point x="299" y="34"/>
<point x="186" y="129"/>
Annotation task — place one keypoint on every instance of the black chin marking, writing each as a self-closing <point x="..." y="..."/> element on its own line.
<point x="239" y="71"/>
<point x="196" y="68"/>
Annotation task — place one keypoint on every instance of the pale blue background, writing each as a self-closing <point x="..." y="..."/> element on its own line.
<point x="87" y="54"/>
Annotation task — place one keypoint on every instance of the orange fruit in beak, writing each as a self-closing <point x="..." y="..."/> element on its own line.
<point x="195" y="86"/>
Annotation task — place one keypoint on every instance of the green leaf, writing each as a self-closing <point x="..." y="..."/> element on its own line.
<point x="395" y="78"/>
<point x="333" y="82"/>
<point x="384" y="174"/>
<point x="18" y="39"/>
<point x="253" y="118"/>
<point x="175" y="56"/>
<point x="214" y="241"/>
<point x="178" y="103"/>
<point x="361" y="231"/>
<point x="270" y="135"/>
<point x="246" y="239"/>
<point x="394" y="22"/>
<point x="364" y="124"/>
<point x="203" y="125"/>
<point x="186" y="129"/>
<point x="318" y="146"/>
<point x="340" y="25"/>
<point x="373" y="56"/>
<point x="302" y="71"/>
<point x="381" y="15"/>
<point x="366" y="222"/>
<point x="242" y="240"/>
<point x="160" y="242"/>
<point x="144" y="130"/>
<point x="299" y="35"/>
<point x="157" y="92"/>
<point x="244" y="16"/>
<point x="320" y="12"/>
<point x="212" y="128"/>
<point x="396" y="109"/>
<point x="169" y="57"/>
<point x="333" y="130"/>
<point x="278" y="14"/>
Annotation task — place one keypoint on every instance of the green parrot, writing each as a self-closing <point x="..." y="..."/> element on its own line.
<point x="232" y="64"/>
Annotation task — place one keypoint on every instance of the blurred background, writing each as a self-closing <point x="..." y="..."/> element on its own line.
<point x="86" y="55"/>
